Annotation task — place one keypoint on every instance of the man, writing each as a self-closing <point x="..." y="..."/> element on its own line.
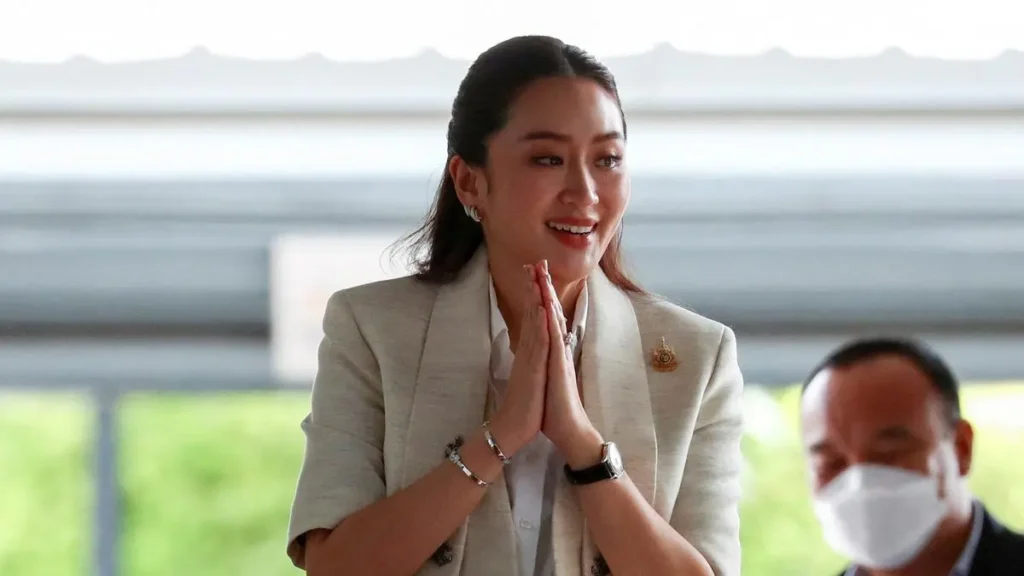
<point x="889" y="454"/>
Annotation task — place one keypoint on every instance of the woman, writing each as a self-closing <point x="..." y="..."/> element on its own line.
<point x="448" y="433"/>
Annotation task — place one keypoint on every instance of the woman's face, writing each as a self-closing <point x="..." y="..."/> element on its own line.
<point x="555" y="185"/>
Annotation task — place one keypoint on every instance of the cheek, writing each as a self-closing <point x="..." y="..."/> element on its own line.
<point x="517" y="208"/>
<point x="919" y="461"/>
<point x="943" y="461"/>
<point x="613" y="196"/>
<point x="613" y="184"/>
<point x="823" y="470"/>
<point x="820" y="481"/>
<point x="528" y="191"/>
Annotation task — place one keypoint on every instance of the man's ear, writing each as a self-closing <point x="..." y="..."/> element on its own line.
<point x="470" y="183"/>
<point x="963" y="443"/>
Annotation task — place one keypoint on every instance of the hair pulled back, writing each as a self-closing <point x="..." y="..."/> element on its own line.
<point x="446" y="241"/>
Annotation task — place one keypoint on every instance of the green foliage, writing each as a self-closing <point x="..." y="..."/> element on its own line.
<point x="778" y="530"/>
<point x="45" y="485"/>
<point x="208" y="482"/>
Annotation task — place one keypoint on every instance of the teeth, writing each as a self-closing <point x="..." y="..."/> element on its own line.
<point x="573" y="229"/>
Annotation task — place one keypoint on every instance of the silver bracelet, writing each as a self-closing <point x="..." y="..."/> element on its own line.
<point x="452" y="452"/>
<point x="494" y="445"/>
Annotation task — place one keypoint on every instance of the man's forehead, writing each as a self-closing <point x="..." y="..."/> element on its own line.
<point x="816" y="393"/>
<point x="885" y="391"/>
<point x="885" y="376"/>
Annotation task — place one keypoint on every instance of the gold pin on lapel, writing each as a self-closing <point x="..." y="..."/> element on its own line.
<point x="663" y="358"/>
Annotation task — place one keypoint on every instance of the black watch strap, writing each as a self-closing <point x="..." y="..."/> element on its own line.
<point x="606" y="469"/>
<point x="590" y="475"/>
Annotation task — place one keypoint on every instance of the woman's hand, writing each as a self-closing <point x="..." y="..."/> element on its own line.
<point x="566" y="423"/>
<point x="522" y="410"/>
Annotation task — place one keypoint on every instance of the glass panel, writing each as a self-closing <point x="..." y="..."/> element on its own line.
<point x="208" y="482"/>
<point x="45" y="484"/>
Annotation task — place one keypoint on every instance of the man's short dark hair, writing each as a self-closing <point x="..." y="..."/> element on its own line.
<point x="922" y="355"/>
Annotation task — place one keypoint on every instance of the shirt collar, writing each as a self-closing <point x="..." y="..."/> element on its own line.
<point x="499" y="328"/>
<point x="966" y="559"/>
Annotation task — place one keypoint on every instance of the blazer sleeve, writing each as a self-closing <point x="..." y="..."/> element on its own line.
<point x="343" y="468"/>
<point x="706" y="511"/>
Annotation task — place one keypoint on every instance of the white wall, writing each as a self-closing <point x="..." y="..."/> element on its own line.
<point x="202" y="116"/>
<point x="790" y="145"/>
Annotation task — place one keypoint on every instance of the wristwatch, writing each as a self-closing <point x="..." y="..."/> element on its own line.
<point x="609" y="468"/>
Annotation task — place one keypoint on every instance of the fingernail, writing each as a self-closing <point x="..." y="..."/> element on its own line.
<point x="545" y="264"/>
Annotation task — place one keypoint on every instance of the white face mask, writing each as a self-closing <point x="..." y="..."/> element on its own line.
<point x="878" y="516"/>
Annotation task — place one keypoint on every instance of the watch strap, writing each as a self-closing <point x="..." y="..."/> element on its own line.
<point x="589" y="475"/>
<point x="603" y="470"/>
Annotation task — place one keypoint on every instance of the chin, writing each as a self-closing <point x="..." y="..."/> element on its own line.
<point x="572" y="267"/>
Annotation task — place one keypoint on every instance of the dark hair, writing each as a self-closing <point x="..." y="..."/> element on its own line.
<point x="919" y="353"/>
<point x="448" y="238"/>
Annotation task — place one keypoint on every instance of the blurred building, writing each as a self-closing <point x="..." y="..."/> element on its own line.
<point x="798" y="200"/>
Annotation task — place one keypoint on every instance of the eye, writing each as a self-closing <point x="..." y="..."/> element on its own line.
<point x="610" y="161"/>
<point x="547" y="160"/>
<point x="826" y="462"/>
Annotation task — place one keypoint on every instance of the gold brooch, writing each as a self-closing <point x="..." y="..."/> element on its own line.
<point x="663" y="359"/>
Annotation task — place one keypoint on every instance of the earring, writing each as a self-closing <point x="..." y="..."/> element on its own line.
<point x="472" y="212"/>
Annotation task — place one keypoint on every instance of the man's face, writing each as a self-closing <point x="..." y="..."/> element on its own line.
<point x="882" y="411"/>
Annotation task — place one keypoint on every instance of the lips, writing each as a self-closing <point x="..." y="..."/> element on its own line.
<point x="574" y="233"/>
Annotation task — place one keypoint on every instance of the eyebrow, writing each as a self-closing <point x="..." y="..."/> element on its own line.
<point x="894" y="433"/>
<point x="818" y="447"/>
<point x="890" y="433"/>
<point x="550" y="135"/>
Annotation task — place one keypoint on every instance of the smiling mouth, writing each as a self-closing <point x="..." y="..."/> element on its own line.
<point x="578" y="230"/>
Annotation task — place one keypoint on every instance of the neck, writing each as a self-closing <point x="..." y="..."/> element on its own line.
<point x="940" y="555"/>
<point x="509" y="284"/>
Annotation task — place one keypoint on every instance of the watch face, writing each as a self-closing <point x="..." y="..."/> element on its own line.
<point x="614" y="458"/>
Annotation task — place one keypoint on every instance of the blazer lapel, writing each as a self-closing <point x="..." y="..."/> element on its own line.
<point x="613" y="373"/>
<point x="450" y="399"/>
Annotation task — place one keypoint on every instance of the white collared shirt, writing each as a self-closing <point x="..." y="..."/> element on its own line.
<point x="534" y="470"/>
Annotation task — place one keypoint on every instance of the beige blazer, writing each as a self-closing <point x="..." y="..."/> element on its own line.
<point x="403" y="370"/>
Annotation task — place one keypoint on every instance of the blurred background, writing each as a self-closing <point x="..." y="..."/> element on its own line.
<point x="183" y="183"/>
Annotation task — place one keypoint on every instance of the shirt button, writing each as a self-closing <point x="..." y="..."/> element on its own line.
<point x="526" y="525"/>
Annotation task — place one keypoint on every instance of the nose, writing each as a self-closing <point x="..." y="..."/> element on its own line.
<point x="580" y="187"/>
